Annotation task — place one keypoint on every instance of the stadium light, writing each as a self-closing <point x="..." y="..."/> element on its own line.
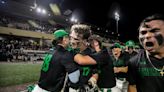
<point x="106" y="31"/>
<point x="2" y="2"/>
<point x="74" y="20"/>
<point x="44" y="11"/>
<point x="38" y="10"/>
<point x="117" y="17"/>
<point x="41" y="10"/>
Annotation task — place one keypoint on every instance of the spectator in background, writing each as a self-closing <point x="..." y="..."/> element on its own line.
<point x="137" y="48"/>
<point x="130" y="48"/>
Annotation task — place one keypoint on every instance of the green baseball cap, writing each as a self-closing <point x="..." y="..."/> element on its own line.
<point x="137" y="46"/>
<point x="130" y="43"/>
<point x="122" y="47"/>
<point x="116" y="45"/>
<point x="60" y="33"/>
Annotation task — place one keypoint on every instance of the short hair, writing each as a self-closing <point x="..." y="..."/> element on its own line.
<point x="152" y="17"/>
<point x="84" y="31"/>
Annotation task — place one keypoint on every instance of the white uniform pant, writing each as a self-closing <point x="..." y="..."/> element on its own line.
<point x="121" y="86"/>
<point x="87" y="89"/>
<point x="39" y="89"/>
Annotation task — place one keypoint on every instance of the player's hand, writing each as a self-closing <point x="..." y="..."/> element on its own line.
<point x="92" y="81"/>
<point x="116" y="70"/>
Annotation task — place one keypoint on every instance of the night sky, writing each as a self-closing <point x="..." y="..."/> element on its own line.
<point x="100" y="13"/>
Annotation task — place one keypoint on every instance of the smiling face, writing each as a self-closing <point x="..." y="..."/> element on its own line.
<point x="151" y="36"/>
<point x="74" y="39"/>
<point x="79" y="35"/>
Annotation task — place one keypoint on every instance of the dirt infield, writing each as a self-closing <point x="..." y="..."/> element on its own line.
<point x="16" y="88"/>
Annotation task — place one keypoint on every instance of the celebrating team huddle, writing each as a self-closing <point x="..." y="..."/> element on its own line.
<point x="80" y="62"/>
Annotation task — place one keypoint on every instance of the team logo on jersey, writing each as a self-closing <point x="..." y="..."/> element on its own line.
<point x="146" y="70"/>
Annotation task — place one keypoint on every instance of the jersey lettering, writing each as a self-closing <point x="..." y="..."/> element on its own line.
<point x="86" y="71"/>
<point x="144" y="70"/>
<point x="46" y="63"/>
<point x="148" y="72"/>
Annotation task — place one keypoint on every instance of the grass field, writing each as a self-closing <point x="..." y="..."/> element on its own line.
<point x="18" y="73"/>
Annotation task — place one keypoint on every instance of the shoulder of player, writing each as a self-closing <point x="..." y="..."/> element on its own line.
<point x="137" y="57"/>
<point x="104" y="49"/>
<point x="67" y="55"/>
<point x="63" y="53"/>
